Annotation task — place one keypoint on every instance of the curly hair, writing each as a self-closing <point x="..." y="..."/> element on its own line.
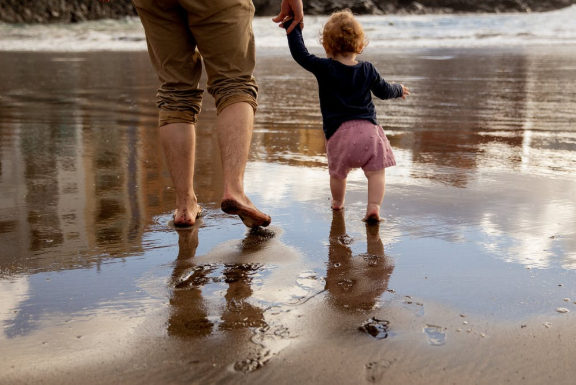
<point x="343" y="33"/>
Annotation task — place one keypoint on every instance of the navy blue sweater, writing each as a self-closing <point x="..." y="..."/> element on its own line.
<point x="345" y="91"/>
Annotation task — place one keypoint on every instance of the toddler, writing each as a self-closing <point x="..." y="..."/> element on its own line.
<point x="353" y="137"/>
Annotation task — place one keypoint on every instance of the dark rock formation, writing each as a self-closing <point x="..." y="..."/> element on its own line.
<point x="64" y="11"/>
<point x="433" y="6"/>
<point x="321" y="7"/>
<point x="47" y="11"/>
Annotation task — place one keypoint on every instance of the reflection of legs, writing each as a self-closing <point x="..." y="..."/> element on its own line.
<point x="376" y="189"/>
<point x="240" y="313"/>
<point x="374" y="243"/>
<point x="187" y="245"/>
<point x="178" y="141"/>
<point x="340" y="275"/>
<point x="188" y="315"/>
<point x="234" y="126"/>
<point x="378" y="270"/>
<point x="356" y="282"/>
<point x="338" y="189"/>
<point x="338" y="282"/>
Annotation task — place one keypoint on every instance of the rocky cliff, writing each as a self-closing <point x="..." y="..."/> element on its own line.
<point x="45" y="11"/>
<point x="435" y="6"/>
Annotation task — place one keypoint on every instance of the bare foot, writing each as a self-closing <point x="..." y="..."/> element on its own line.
<point x="337" y="205"/>
<point x="186" y="217"/>
<point x="248" y="213"/>
<point x="372" y="214"/>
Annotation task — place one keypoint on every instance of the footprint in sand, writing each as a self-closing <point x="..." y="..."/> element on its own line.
<point x="416" y="307"/>
<point x="270" y="340"/>
<point x="375" y="370"/>
<point x="247" y="365"/>
<point x="435" y="335"/>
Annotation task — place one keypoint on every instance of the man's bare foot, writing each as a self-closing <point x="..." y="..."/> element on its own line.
<point x="337" y="205"/>
<point x="372" y="214"/>
<point x="186" y="217"/>
<point x="248" y="213"/>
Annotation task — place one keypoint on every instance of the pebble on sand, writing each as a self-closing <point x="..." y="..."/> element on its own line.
<point x="562" y="310"/>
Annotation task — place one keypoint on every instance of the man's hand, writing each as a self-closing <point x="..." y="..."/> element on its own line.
<point x="291" y="9"/>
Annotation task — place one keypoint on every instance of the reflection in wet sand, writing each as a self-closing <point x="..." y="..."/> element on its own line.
<point x="229" y="292"/>
<point x="188" y="315"/>
<point x="356" y="282"/>
<point x="479" y="219"/>
<point x="189" y="311"/>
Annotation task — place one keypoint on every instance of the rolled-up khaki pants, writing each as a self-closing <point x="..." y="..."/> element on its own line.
<point x="183" y="33"/>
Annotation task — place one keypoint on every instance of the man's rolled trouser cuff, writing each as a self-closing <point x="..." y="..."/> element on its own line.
<point x="169" y="117"/>
<point x="238" y="98"/>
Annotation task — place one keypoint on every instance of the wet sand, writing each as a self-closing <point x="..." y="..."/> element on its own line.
<point x="465" y="274"/>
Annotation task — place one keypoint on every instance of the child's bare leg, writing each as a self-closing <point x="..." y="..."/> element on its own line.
<point x="338" y="189"/>
<point x="376" y="190"/>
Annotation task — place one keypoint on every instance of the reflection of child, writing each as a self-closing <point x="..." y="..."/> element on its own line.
<point x="356" y="281"/>
<point x="353" y="137"/>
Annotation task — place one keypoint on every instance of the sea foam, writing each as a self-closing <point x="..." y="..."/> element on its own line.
<point x="390" y="31"/>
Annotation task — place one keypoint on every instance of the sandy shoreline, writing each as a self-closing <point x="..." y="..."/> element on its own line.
<point x="311" y="343"/>
<point x="478" y="232"/>
<point x="307" y="333"/>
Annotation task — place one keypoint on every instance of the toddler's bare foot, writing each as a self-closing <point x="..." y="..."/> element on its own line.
<point x="337" y="205"/>
<point x="372" y="213"/>
<point x="186" y="217"/>
<point x="248" y="213"/>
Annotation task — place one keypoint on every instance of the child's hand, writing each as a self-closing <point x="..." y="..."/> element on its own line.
<point x="405" y="91"/>
<point x="286" y="20"/>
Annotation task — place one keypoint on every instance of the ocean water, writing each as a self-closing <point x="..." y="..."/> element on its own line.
<point x="422" y="31"/>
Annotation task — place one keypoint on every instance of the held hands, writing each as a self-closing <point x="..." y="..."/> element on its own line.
<point x="290" y="9"/>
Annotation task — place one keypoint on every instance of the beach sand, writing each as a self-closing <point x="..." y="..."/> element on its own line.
<point x="463" y="282"/>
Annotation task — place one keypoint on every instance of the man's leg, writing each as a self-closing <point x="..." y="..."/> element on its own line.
<point x="234" y="127"/>
<point x="178" y="141"/>
<point x="223" y="33"/>
<point x="172" y="51"/>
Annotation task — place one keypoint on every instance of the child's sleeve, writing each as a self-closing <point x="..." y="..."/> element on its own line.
<point x="299" y="52"/>
<point x="384" y="90"/>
